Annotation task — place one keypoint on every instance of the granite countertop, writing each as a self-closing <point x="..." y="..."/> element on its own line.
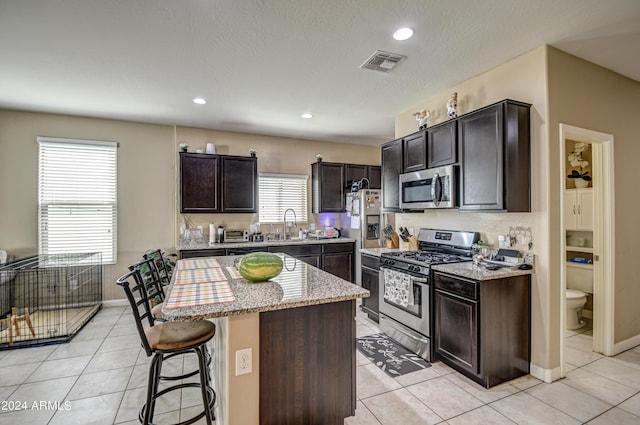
<point x="299" y="284"/>
<point x="377" y="252"/>
<point x="470" y="270"/>
<point x="205" y="245"/>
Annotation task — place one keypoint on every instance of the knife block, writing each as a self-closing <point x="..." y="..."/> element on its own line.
<point x="410" y="245"/>
<point x="393" y="243"/>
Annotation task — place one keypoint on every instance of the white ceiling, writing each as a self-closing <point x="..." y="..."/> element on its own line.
<point x="262" y="63"/>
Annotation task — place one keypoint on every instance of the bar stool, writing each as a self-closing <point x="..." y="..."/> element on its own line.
<point x="161" y="265"/>
<point x="153" y="284"/>
<point x="167" y="339"/>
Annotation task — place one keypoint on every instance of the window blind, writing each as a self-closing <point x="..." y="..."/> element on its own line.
<point x="77" y="193"/>
<point x="277" y="192"/>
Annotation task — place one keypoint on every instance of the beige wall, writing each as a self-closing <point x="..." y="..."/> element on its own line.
<point x="522" y="79"/>
<point x="145" y="183"/>
<point x="588" y="96"/>
<point x="147" y="177"/>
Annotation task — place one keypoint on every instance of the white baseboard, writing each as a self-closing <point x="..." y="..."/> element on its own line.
<point x="115" y="303"/>
<point x="546" y="375"/>
<point x="625" y="345"/>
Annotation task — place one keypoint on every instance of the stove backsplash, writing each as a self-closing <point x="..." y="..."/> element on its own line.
<point x="519" y="227"/>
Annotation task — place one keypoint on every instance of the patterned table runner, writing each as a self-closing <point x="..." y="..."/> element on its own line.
<point x="193" y="276"/>
<point x="197" y="263"/>
<point x="201" y="294"/>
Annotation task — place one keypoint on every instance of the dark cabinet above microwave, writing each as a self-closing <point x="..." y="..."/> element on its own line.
<point x="331" y="180"/>
<point x="218" y="183"/>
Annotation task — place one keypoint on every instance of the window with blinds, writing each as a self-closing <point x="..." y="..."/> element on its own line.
<point x="278" y="192"/>
<point x="77" y="197"/>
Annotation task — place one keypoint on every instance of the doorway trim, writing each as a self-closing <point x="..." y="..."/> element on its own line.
<point x="603" y="238"/>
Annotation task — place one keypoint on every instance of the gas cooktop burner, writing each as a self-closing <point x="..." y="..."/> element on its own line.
<point x="427" y="257"/>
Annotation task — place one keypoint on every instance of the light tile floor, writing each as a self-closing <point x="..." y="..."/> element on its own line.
<point x="102" y="375"/>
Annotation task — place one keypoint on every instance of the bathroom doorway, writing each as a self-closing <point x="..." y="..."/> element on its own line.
<point x="589" y="245"/>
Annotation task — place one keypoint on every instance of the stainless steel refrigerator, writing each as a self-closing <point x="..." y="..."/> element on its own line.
<point x="362" y="222"/>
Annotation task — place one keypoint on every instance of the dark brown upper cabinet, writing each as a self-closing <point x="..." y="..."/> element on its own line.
<point x="415" y="152"/>
<point x="327" y="186"/>
<point x="239" y="184"/>
<point x="358" y="172"/>
<point x="442" y="144"/>
<point x="400" y="156"/>
<point x="392" y="167"/>
<point x="218" y="183"/>
<point x="494" y="148"/>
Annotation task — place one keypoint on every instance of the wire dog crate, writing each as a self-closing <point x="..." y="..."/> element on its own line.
<point x="46" y="299"/>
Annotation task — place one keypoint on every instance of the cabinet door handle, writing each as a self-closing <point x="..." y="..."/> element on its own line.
<point x="574" y="210"/>
<point x="579" y="209"/>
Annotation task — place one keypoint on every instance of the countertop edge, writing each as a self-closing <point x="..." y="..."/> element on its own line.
<point x="224" y="245"/>
<point x="472" y="271"/>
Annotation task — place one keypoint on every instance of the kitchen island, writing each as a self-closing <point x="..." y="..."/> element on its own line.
<point x="299" y="328"/>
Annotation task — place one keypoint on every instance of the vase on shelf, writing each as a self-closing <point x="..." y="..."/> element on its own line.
<point x="580" y="183"/>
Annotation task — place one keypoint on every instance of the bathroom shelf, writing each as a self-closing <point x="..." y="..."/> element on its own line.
<point x="588" y="266"/>
<point x="580" y="249"/>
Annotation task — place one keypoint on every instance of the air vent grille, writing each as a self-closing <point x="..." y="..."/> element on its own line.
<point x="383" y="61"/>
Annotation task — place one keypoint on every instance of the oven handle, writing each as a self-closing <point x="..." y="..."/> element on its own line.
<point x="419" y="279"/>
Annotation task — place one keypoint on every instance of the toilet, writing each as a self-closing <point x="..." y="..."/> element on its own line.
<point x="579" y="286"/>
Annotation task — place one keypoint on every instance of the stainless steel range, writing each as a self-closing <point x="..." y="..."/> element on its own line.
<point x="405" y="290"/>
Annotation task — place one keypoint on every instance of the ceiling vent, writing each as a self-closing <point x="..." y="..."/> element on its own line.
<point x="383" y="61"/>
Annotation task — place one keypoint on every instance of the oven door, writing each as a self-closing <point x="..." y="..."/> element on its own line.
<point x="415" y="313"/>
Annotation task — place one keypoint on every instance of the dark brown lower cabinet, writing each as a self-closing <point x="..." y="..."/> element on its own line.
<point x="194" y="253"/>
<point x="307" y="365"/>
<point x="337" y="259"/>
<point x="482" y="328"/>
<point x="370" y="277"/>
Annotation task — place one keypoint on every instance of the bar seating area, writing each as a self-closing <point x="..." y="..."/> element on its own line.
<point x="163" y="340"/>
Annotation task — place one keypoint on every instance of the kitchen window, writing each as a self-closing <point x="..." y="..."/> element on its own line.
<point x="77" y="194"/>
<point x="278" y="192"/>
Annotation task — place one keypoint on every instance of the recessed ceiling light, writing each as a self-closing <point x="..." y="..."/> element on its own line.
<point x="403" y="34"/>
<point x="306" y="115"/>
<point x="199" y="100"/>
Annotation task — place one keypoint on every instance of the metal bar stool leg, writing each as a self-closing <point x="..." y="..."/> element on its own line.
<point x="208" y="400"/>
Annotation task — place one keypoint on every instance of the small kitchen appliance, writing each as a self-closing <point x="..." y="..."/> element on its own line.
<point x="236" y="236"/>
<point x="405" y="291"/>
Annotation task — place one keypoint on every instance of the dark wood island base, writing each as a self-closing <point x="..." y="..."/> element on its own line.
<point x="307" y="365"/>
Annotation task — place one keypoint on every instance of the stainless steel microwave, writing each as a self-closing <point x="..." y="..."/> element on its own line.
<point x="425" y="189"/>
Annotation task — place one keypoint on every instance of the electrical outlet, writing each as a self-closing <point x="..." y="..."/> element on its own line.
<point x="243" y="362"/>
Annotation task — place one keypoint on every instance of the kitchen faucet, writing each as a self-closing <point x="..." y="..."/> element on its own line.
<point x="284" y="221"/>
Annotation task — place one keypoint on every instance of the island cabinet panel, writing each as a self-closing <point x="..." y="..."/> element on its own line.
<point x="494" y="150"/>
<point x="307" y="365"/>
<point x="482" y="328"/>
